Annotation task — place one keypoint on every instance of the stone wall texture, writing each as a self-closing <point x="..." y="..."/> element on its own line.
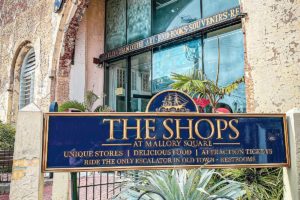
<point x="20" y="21"/>
<point x="32" y="23"/>
<point x="27" y="178"/>
<point x="272" y="46"/>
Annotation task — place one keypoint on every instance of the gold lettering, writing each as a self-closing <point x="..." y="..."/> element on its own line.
<point x="234" y="129"/>
<point x="166" y="35"/>
<point x="211" y="20"/>
<point x="189" y="128"/>
<point x="237" y="11"/>
<point x="185" y="29"/>
<point x="207" y="21"/>
<point x="232" y="13"/>
<point x="203" y="22"/>
<point x="211" y="126"/>
<point x="220" y="129"/>
<point x="225" y="15"/>
<point x="137" y="128"/>
<point x="148" y="128"/>
<point x="168" y="129"/>
<point x="111" y="127"/>
<point x="194" y="26"/>
<point x="171" y="34"/>
<point x="220" y="17"/>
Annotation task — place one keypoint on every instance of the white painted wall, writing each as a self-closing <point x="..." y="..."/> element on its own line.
<point x="78" y="70"/>
<point x="95" y="46"/>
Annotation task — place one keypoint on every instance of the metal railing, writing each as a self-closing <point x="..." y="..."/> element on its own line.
<point x="98" y="185"/>
<point x="6" y="162"/>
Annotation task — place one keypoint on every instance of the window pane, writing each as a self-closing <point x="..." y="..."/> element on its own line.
<point x="181" y="58"/>
<point x="231" y="45"/>
<point x="170" y="14"/>
<point x="115" y="24"/>
<point x="140" y="81"/>
<point x="211" y="7"/>
<point x="139" y="20"/>
<point x="117" y="85"/>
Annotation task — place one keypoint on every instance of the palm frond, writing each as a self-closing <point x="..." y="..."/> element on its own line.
<point x="72" y="104"/>
<point x="90" y="99"/>
<point x="232" y="86"/>
<point x="197" y="85"/>
<point x="103" y="109"/>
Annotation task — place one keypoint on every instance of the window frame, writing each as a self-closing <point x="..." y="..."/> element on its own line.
<point x="25" y="66"/>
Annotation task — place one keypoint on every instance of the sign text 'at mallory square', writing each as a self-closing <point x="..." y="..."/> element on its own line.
<point x="170" y="134"/>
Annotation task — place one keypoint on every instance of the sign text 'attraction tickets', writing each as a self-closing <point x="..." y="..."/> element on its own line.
<point x="131" y="141"/>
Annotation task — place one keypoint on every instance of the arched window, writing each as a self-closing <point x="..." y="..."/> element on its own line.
<point x="27" y="79"/>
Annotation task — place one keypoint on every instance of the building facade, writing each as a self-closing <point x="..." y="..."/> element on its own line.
<point x="125" y="51"/>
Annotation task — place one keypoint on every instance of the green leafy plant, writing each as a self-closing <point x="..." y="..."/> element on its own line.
<point x="196" y="184"/>
<point x="263" y="183"/>
<point x="7" y="136"/>
<point x="89" y="101"/>
<point x="72" y="105"/>
<point x="198" y="85"/>
<point x="103" y="109"/>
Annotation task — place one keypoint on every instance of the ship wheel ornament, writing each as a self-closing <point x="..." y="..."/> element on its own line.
<point x="58" y="4"/>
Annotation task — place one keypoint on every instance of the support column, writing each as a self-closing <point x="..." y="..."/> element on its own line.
<point x="27" y="179"/>
<point x="291" y="176"/>
<point x="61" y="186"/>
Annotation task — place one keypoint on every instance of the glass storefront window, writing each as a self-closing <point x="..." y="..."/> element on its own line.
<point x="115" y="24"/>
<point x="128" y="21"/>
<point x="229" y="43"/>
<point x="170" y="14"/>
<point x="180" y="58"/>
<point x="140" y="81"/>
<point x="150" y="72"/>
<point x="138" y="20"/>
<point x="118" y="85"/>
<point x="211" y="7"/>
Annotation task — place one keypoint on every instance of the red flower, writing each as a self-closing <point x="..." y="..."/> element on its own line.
<point x="222" y="110"/>
<point x="202" y="102"/>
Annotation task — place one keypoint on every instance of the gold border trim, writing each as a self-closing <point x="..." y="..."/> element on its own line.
<point x="207" y="166"/>
<point x="84" y="169"/>
<point x="91" y="114"/>
<point x="165" y="91"/>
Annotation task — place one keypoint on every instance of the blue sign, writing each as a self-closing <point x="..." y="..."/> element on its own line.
<point x="132" y="141"/>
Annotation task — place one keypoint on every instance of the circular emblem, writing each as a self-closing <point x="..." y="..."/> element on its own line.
<point x="171" y="101"/>
<point x="58" y="5"/>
